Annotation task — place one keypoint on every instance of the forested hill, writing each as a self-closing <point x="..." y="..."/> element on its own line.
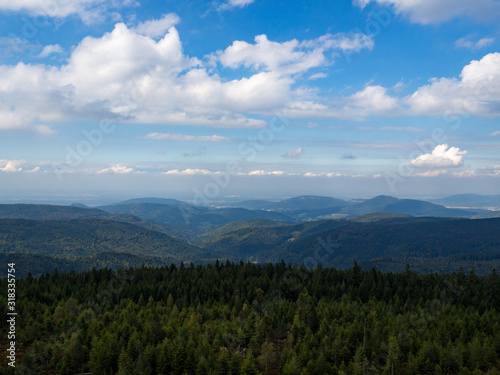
<point x="86" y="239"/>
<point x="54" y="212"/>
<point x="428" y="244"/>
<point x="255" y="320"/>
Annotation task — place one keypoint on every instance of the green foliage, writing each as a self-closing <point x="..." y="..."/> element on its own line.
<point x="234" y="319"/>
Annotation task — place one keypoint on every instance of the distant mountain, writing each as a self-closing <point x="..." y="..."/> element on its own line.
<point x="306" y="208"/>
<point x="254" y="204"/>
<point x="470" y="201"/>
<point x="167" y="201"/>
<point x="307" y="202"/>
<point x="192" y="217"/>
<point x="53" y="212"/>
<point x="384" y="203"/>
<point x="81" y="205"/>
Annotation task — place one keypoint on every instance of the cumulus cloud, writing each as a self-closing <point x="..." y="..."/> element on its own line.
<point x="477" y="92"/>
<point x="117" y="169"/>
<point x="131" y="77"/>
<point x="290" y="57"/>
<point x="50" y="50"/>
<point x="436" y="11"/>
<point x="441" y="156"/>
<point x="159" y="27"/>
<point x="374" y="99"/>
<point x="294" y="154"/>
<point x="126" y="75"/>
<point x="182" y="137"/>
<point x="466" y="42"/>
<point x="11" y="165"/>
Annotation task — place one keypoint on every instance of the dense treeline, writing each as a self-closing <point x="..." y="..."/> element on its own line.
<point x="256" y="319"/>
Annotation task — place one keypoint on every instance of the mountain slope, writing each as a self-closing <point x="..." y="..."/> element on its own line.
<point x="445" y="239"/>
<point x="199" y="218"/>
<point x="77" y="238"/>
<point x="411" y="207"/>
<point x="54" y="212"/>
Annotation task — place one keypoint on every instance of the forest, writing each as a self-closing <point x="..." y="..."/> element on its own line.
<point x="244" y="318"/>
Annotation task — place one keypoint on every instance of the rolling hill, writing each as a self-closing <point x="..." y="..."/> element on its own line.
<point x="87" y="237"/>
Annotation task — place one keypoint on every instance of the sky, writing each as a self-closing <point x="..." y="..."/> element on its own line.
<point x="229" y="99"/>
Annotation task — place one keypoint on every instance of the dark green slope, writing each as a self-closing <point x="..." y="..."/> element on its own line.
<point x="77" y="238"/>
<point x="36" y="264"/>
<point x="443" y="240"/>
<point x="54" y="212"/>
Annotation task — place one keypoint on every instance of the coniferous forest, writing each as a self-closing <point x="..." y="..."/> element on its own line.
<point x="244" y="318"/>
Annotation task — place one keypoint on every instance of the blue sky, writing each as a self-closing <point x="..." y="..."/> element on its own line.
<point x="255" y="98"/>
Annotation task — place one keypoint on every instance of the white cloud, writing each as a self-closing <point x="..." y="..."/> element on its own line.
<point x="476" y="93"/>
<point x="266" y="173"/>
<point x="491" y="171"/>
<point x="44" y="130"/>
<point x="494" y="134"/>
<point x="374" y="99"/>
<point x="441" y="156"/>
<point x="465" y="174"/>
<point x="117" y="169"/>
<point x="11" y="165"/>
<point x="436" y="11"/>
<point x="283" y="58"/>
<point x="159" y="27"/>
<point x="466" y="42"/>
<point x="331" y="175"/>
<point x="290" y="57"/>
<point x="182" y="137"/>
<point x="88" y="10"/>
<point x="34" y="170"/>
<point x="50" y="50"/>
<point x="346" y="42"/>
<point x="317" y="76"/>
<point x="188" y="172"/>
<point x="294" y="154"/>
<point x="239" y="3"/>
<point x="435" y="173"/>
<point x="130" y="77"/>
